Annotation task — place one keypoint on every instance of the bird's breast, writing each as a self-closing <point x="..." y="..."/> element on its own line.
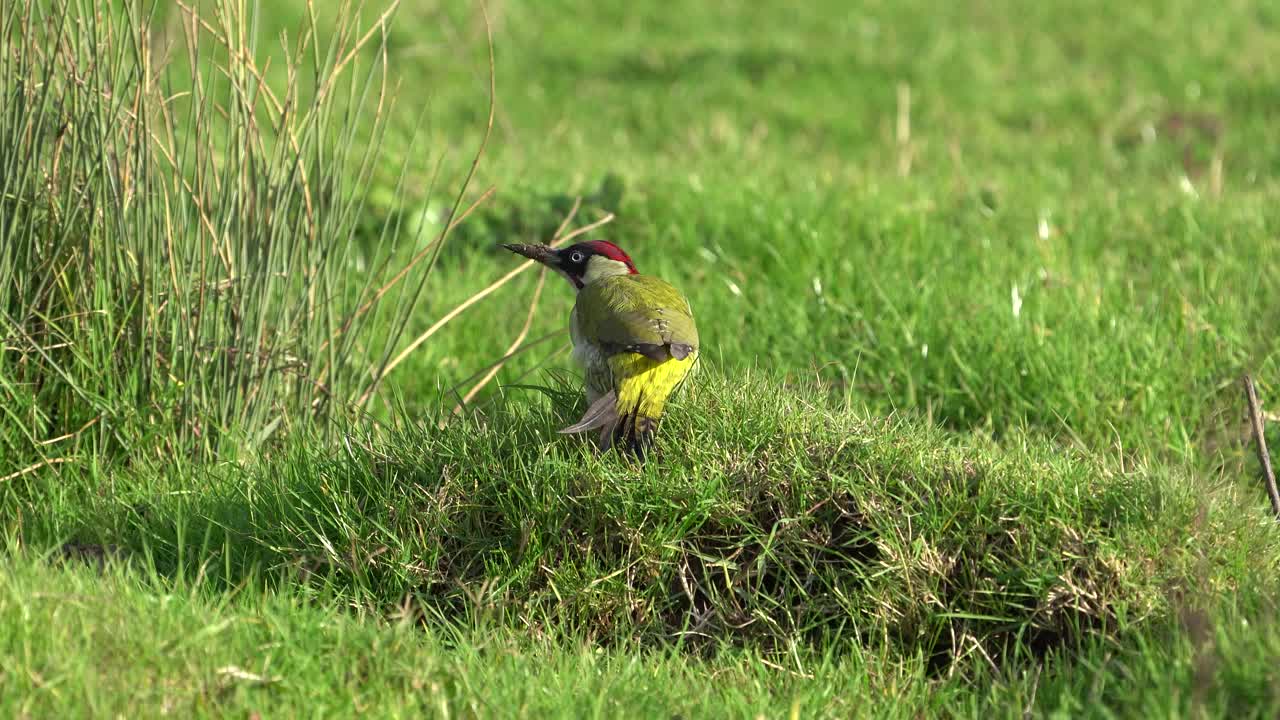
<point x="589" y="355"/>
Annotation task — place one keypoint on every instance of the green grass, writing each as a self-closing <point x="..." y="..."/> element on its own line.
<point x="77" y="642"/>
<point x="968" y="441"/>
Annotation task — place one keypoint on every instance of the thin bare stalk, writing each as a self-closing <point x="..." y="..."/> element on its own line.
<point x="528" y="320"/>
<point x="520" y="336"/>
<point x="1260" y="442"/>
<point x="464" y="305"/>
<point x="404" y="271"/>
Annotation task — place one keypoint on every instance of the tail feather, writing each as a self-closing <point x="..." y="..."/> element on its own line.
<point x="602" y="413"/>
<point x="626" y="428"/>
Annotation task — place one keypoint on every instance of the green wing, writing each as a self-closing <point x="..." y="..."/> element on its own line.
<point x="640" y="314"/>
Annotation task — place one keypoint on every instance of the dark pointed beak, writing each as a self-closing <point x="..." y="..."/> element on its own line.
<point x="544" y="254"/>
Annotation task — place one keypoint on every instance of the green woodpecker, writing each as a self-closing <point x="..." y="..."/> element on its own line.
<point x="632" y="334"/>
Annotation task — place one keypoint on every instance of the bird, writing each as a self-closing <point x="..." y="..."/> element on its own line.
<point x="633" y="336"/>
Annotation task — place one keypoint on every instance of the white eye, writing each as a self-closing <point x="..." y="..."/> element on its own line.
<point x="577" y="257"/>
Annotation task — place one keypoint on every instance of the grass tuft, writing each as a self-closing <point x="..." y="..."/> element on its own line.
<point x="179" y="234"/>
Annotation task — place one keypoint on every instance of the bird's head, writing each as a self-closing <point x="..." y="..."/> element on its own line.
<point x="580" y="264"/>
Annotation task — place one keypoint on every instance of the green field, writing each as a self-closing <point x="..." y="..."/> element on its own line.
<point x="976" y="286"/>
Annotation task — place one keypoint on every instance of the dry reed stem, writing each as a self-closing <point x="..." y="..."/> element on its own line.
<point x="70" y="435"/>
<point x="1260" y="440"/>
<point x="368" y="304"/>
<point x="503" y="360"/>
<point x="35" y="467"/>
<point x="528" y="320"/>
<point x="379" y="374"/>
<point x="515" y="344"/>
<point x="462" y="307"/>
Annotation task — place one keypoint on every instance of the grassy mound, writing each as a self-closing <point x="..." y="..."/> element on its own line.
<point x="766" y="520"/>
